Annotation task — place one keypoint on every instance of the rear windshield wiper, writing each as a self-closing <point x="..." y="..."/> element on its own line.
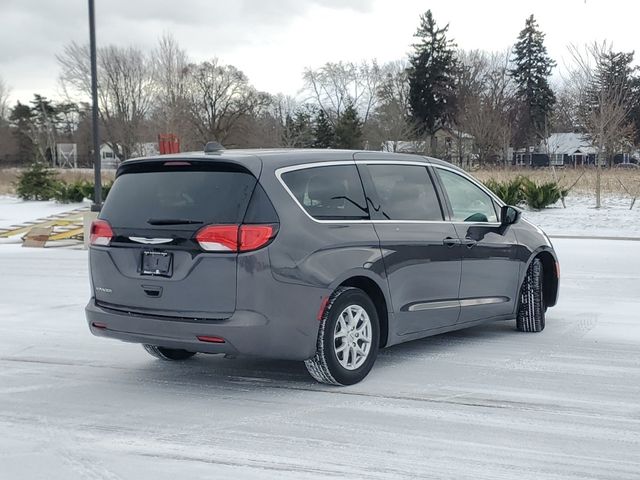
<point x="173" y="221"/>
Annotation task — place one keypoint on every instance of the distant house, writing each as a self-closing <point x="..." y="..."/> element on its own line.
<point x="108" y="157"/>
<point x="528" y="158"/>
<point x="110" y="160"/>
<point x="447" y="144"/>
<point x="146" y="149"/>
<point x="570" y="149"/>
<point x="404" y="146"/>
<point x="560" y="149"/>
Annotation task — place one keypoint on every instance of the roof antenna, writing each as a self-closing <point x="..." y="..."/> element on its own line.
<point x="213" y="147"/>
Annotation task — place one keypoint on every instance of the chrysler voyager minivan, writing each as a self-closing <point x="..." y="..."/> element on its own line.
<point x="322" y="256"/>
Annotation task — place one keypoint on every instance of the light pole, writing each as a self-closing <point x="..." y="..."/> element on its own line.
<point x="97" y="184"/>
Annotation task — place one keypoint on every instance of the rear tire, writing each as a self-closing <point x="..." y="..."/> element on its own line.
<point x="348" y="339"/>
<point x="168" y="354"/>
<point x="531" y="308"/>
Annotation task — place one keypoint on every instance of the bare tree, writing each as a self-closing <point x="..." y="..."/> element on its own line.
<point x="294" y="120"/>
<point x="126" y="90"/>
<point x="170" y="74"/>
<point x="392" y="117"/>
<point x="4" y="99"/>
<point x="219" y="97"/>
<point x="603" y="104"/>
<point x="336" y="85"/>
<point x="485" y="103"/>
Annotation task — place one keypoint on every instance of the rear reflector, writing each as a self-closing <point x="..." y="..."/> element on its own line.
<point x="205" y="338"/>
<point x="323" y="305"/>
<point x="99" y="325"/>
<point x="234" y="238"/>
<point x="101" y="233"/>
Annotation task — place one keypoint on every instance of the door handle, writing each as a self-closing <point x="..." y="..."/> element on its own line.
<point x="152" y="291"/>
<point x="469" y="243"/>
<point x="451" y="242"/>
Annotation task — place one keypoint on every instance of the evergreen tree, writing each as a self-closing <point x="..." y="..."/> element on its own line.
<point x="617" y="82"/>
<point x="21" y="118"/>
<point x="532" y="68"/>
<point x="634" y="114"/>
<point x="432" y="76"/>
<point x="302" y="128"/>
<point x="299" y="130"/>
<point x="324" y="132"/>
<point x="349" y="129"/>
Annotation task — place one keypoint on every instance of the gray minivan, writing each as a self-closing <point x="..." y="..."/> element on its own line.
<point x="323" y="256"/>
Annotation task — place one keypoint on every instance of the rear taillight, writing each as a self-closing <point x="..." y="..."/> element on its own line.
<point x="101" y="233"/>
<point x="218" y="238"/>
<point x="234" y="238"/>
<point x="253" y="237"/>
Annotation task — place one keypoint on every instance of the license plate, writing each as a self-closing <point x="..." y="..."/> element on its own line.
<point x="157" y="263"/>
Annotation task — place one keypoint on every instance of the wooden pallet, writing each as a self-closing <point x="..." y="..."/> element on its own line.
<point x="64" y="226"/>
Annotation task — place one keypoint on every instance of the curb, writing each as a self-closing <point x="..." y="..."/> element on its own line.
<point x="594" y="237"/>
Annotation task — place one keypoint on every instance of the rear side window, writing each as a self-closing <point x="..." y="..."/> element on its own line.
<point x="329" y="193"/>
<point x="260" y="209"/>
<point x="187" y="197"/>
<point x="405" y="192"/>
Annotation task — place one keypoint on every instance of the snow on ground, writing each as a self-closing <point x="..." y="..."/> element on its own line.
<point x="14" y="211"/>
<point x="613" y="219"/>
<point x="579" y="218"/>
<point x="483" y="403"/>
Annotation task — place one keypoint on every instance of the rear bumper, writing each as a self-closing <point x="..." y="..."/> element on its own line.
<point x="245" y="333"/>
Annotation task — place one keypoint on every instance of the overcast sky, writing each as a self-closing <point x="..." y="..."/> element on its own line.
<point x="272" y="41"/>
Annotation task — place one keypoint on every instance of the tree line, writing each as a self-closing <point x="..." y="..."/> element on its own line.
<point x="496" y="100"/>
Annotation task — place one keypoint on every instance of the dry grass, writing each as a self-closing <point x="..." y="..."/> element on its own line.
<point x="584" y="178"/>
<point x="8" y="177"/>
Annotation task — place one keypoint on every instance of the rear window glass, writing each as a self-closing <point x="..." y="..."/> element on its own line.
<point x="329" y="193"/>
<point x="190" y="197"/>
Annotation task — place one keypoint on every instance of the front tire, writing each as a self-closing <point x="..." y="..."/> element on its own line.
<point x="531" y="308"/>
<point x="168" y="354"/>
<point x="348" y="339"/>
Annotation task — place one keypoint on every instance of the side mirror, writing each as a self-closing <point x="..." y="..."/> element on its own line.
<point x="509" y="215"/>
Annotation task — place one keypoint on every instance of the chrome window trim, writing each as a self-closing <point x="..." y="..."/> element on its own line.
<point x="282" y="170"/>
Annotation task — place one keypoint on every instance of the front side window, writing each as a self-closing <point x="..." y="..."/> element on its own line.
<point x="405" y="192"/>
<point x="329" y="193"/>
<point x="469" y="202"/>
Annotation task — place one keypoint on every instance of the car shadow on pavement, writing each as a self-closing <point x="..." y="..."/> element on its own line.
<point x="214" y="371"/>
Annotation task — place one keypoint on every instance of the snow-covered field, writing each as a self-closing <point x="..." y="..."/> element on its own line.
<point x="484" y="403"/>
<point x="581" y="217"/>
<point x="14" y="211"/>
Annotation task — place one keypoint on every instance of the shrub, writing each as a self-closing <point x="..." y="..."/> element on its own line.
<point x="73" y="192"/>
<point x="106" y="188"/>
<point x="37" y="183"/>
<point x="78" y="191"/>
<point x="87" y="190"/>
<point x="539" y="196"/>
<point x="509" y="191"/>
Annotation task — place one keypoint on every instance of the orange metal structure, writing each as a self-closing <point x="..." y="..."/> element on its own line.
<point x="168" y="143"/>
